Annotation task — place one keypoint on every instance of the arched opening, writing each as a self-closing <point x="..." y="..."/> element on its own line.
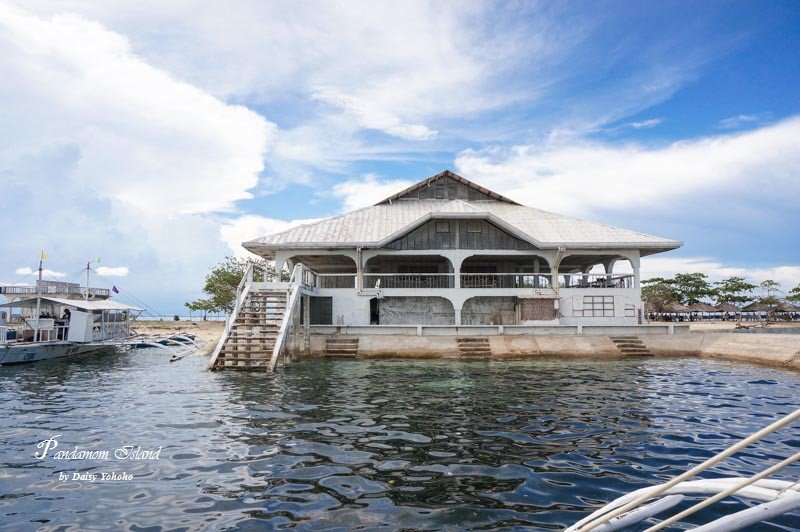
<point x="415" y="311"/>
<point x="489" y="311"/>
<point x="505" y="271"/>
<point x="335" y="271"/>
<point x="408" y="271"/>
<point x="595" y="271"/>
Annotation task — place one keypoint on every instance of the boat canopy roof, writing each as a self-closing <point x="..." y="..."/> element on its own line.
<point x="77" y="303"/>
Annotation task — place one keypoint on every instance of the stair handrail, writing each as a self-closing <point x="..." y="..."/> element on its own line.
<point x="296" y="281"/>
<point x="241" y="295"/>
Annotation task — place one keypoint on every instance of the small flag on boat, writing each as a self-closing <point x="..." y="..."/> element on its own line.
<point x="114" y="289"/>
<point x="42" y="256"/>
<point x="98" y="259"/>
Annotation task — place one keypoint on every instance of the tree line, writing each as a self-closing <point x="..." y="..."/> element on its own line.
<point x="691" y="288"/>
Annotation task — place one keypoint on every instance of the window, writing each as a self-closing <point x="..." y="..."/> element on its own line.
<point x="442" y="227"/>
<point x="474" y="227"/>
<point x="596" y="307"/>
<point x="630" y="311"/>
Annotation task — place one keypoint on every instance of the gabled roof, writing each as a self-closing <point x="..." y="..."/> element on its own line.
<point x="376" y="226"/>
<point x="455" y="177"/>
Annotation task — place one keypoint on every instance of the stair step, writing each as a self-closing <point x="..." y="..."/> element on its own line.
<point x="341" y="347"/>
<point x="226" y="351"/>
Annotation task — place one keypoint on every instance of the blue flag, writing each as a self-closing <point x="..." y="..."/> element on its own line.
<point x="114" y="289"/>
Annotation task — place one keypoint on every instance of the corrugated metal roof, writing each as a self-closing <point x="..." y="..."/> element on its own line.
<point x="77" y="303"/>
<point x="375" y="226"/>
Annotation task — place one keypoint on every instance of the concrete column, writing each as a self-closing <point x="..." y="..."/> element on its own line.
<point x="458" y="316"/>
<point x="635" y="264"/>
<point x="359" y="270"/>
<point x="456" y="259"/>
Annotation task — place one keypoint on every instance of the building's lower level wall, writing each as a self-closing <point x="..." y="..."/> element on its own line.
<point x="600" y="306"/>
<point x="415" y="310"/>
<point x="574" y="306"/>
<point x="489" y="311"/>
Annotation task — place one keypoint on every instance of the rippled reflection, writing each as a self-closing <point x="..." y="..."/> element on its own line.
<point x="418" y="444"/>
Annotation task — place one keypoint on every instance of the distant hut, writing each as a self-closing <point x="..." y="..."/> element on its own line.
<point x="676" y="312"/>
<point x="676" y="308"/>
<point x="788" y="311"/>
<point x="729" y="310"/>
<point x="756" y="310"/>
<point x="704" y="309"/>
<point x="728" y="307"/>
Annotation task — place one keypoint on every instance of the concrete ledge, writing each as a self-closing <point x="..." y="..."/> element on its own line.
<point x="491" y="330"/>
<point x="772" y="349"/>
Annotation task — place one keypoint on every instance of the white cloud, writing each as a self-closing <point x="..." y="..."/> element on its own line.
<point x="579" y="176"/>
<point x="250" y="227"/>
<point x="142" y="137"/>
<point x="735" y="122"/>
<point x="369" y="116"/>
<point x="117" y="271"/>
<point x="45" y="272"/>
<point x="646" y="124"/>
<point x="108" y="154"/>
<point x="367" y="190"/>
<point x="788" y="276"/>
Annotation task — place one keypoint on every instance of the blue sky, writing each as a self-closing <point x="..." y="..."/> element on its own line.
<point x="159" y="136"/>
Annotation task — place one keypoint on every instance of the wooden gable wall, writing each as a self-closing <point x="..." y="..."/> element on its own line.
<point x="458" y="234"/>
<point x="445" y="188"/>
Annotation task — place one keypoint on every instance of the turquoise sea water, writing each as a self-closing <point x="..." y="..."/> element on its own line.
<point x="342" y="445"/>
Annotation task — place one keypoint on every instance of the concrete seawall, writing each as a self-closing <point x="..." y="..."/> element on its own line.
<point x="772" y="349"/>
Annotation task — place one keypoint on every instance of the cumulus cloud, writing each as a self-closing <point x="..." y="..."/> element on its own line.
<point x="580" y="176"/>
<point x="143" y="137"/>
<point x="111" y="155"/>
<point x="107" y="271"/>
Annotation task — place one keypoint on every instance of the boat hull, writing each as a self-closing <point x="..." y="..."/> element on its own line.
<point x="23" y="354"/>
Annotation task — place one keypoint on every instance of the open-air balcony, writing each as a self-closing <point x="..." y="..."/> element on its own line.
<point x="425" y="281"/>
<point x="479" y="272"/>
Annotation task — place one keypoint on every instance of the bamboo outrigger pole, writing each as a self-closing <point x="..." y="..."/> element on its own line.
<point x="38" y="298"/>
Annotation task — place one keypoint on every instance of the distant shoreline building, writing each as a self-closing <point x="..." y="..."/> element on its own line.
<point x="446" y="251"/>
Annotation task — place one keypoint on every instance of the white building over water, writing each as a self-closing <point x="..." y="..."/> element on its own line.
<point x="447" y="251"/>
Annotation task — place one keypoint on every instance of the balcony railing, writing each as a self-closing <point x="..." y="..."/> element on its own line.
<point x="595" y="281"/>
<point x="53" y="290"/>
<point x="409" y="280"/>
<point x="337" y="280"/>
<point x="469" y="280"/>
<point x="505" y="280"/>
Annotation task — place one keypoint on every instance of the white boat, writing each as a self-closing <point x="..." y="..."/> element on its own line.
<point x="58" y="319"/>
<point x="88" y="326"/>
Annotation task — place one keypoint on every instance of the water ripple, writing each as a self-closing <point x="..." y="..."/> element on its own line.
<point x="427" y="445"/>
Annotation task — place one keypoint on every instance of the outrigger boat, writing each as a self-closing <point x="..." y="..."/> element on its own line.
<point x="58" y="319"/>
<point x="88" y="326"/>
